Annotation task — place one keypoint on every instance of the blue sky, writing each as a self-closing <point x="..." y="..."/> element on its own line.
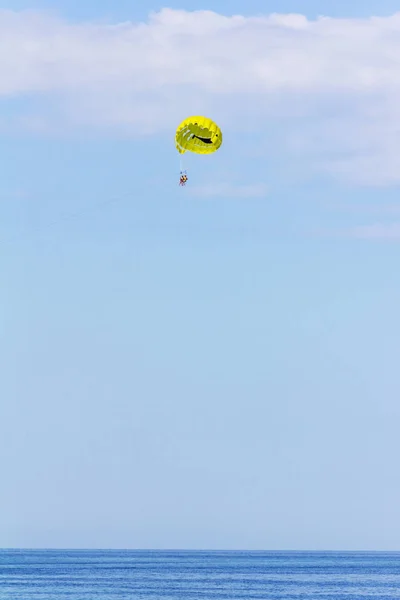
<point x="125" y="9"/>
<point x="212" y="367"/>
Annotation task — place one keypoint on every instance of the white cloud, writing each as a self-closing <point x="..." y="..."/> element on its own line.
<point x="335" y="82"/>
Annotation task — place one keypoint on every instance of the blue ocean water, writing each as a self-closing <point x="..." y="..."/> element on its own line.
<point x="137" y="575"/>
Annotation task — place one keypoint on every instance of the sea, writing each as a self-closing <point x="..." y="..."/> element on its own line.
<point x="173" y="575"/>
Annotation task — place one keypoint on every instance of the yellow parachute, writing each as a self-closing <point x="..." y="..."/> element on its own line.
<point x="199" y="135"/>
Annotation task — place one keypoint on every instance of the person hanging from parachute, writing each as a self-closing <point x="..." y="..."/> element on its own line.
<point x="183" y="178"/>
<point x="199" y="135"/>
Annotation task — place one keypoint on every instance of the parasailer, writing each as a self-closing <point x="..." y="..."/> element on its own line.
<point x="199" y="135"/>
<point x="183" y="178"/>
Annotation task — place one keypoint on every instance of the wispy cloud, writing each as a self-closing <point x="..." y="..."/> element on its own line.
<point x="230" y="190"/>
<point x="362" y="208"/>
<point x="377" y="231"/>
<point x="335" y="83"/>
<point x="14" y="194"/>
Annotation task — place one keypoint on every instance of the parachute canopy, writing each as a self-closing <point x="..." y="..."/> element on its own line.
<point x="199" y="135"/>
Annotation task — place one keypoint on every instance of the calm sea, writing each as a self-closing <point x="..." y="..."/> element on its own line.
<point x="134" y="575"/>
